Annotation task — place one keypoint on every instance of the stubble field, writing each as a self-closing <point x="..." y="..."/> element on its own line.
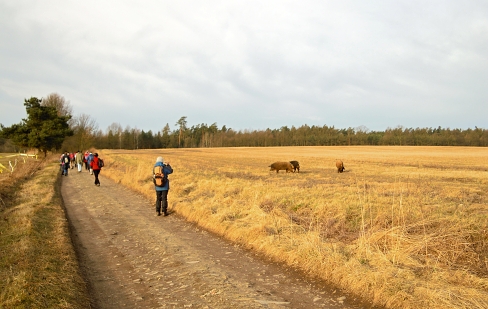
<point x="404" y="227"/>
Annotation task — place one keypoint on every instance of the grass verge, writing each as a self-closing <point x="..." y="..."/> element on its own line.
<point x="403" y="227"/>
<point x="38" y="264"/>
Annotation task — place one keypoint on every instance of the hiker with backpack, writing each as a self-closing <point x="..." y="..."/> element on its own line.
<point x="161" y="185"/>
<point x="65" y="161"/>
<point x="61" y="165"/>
<point x="95" y="166"/>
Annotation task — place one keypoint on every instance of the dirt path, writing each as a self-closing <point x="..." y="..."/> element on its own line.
<point x="133" y="259"/>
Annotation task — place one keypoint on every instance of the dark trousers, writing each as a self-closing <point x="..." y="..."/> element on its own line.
<point x="96" y="172"/>
<point x="162" y="201"/>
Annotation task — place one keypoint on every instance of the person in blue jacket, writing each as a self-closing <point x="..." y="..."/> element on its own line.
<point x="89" y="159"/>
<point x="162" y="192"/>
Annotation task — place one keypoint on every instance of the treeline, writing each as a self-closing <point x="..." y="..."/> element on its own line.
<point x="204" y="135"/>
<point x="50" y="126"/>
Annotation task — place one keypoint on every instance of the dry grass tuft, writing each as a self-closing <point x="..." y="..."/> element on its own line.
<point x="404" y="227"/>
<point x="38" y="265"/>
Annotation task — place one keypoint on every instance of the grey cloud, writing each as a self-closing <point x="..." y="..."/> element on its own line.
<point x="251" y="65"/>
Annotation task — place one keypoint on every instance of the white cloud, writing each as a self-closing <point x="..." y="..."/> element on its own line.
<point x="247" y="64"/>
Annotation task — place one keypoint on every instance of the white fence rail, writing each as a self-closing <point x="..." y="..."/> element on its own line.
<point x="12" y="166"/>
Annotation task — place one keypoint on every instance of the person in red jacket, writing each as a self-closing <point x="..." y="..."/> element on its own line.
<point x="96" y="169"/>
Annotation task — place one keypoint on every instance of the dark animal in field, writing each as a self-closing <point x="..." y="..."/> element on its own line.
<point x="277" y="166"/>
<point x="340" y="166"/>
<point x="296" y="166"/>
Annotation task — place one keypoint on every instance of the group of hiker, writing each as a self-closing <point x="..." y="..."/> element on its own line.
<point x="92" y="163"/>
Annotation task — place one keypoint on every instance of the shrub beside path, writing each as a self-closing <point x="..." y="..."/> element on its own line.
<point x="133" y="259"/>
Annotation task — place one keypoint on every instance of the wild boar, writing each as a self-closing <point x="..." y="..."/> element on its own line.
<point x="296" y="166"/>
<point x="277" y="166"/>
<point x="340" y="166"/>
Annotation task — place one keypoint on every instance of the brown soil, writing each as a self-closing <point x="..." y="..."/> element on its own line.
<point x="134" y="259"/>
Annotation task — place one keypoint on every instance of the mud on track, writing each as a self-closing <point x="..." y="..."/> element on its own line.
<point x="134" y="259"/>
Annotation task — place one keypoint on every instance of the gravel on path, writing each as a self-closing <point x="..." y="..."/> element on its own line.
<point x="134" y="259"/>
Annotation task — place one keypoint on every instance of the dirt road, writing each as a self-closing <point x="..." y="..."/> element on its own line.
<point x="134" y="259"/>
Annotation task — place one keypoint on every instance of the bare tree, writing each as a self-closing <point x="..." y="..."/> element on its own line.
<point x="115" y="128"/>
<point x="136" y="133"/>
<point x="114" y="133"/>
<point x="63" y="107"/>
<point x="85" y="129"/>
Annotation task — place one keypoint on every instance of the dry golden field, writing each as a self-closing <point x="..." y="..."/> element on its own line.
<point x="403" y="227"/>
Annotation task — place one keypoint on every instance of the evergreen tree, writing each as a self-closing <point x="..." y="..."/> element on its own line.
<point x="43" y="129"/>
<point x="182" y="124"/>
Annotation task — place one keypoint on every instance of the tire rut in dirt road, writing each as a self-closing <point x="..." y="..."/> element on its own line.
<point x="133" y="259"/>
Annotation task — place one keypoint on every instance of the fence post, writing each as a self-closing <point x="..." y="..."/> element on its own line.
<point x="12" y="167"/>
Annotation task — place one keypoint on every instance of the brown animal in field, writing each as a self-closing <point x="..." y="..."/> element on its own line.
<point x="296" y="166"/>
<point x="277" y="166"/>
<point x="340" y="166"/>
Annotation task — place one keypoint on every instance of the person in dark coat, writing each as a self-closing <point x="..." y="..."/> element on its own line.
<point x="65" y="161"/>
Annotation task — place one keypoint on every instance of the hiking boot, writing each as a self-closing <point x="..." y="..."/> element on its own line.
<point x="158" y="214"/>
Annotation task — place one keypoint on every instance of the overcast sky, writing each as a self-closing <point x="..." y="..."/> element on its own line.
<point x="250" y="64"/>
